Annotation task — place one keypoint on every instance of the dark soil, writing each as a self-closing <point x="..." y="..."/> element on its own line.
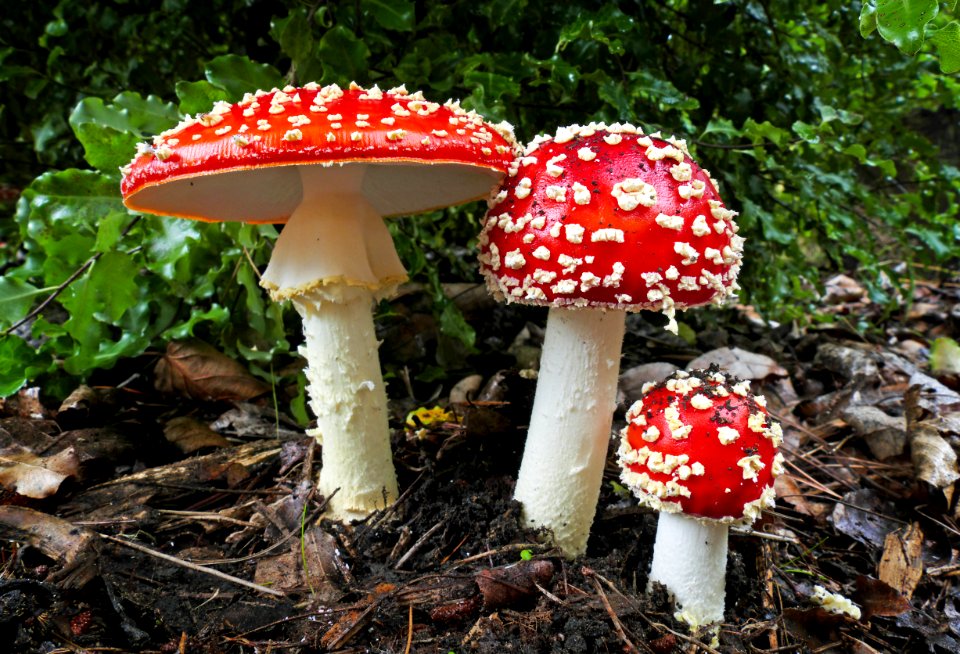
<point x="449" y="568"/>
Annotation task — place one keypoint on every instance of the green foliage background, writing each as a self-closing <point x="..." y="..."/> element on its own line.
<point x="826" y="142"/>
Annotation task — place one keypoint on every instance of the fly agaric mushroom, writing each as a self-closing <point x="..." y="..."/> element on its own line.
<point x="594" y="222"/>
<point x="703" y="451"/>
<point x="330" y="163"/>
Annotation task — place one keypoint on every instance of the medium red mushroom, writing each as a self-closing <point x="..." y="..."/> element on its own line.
<point x="330" y="163"/>
<point x="703" y="451"/>
<point x="594" y="222"/>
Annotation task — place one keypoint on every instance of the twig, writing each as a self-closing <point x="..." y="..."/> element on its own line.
<point x="752" y="533"/>
<point x="942" y="570"/>
<point x="507" y="548"/>
<point x="202" y="515"/>
<point x="192" y="566"/>
<point x="420" y="543"/>
<point x="455" y="549"/>
<point x="546" y="593"/>
<point x="406" y="650"/>
<point x="617" y="625"/>
<point x="390" y="510"/>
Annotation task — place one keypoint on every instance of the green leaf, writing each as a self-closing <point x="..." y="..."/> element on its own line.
<point x="294" y="35"/>
<point x="103" y="294"/>
<point x="868" y="19"/>
<point x="16" y="299"/>
<point x="59" y="214"/>
<point x="721" y="126"/>
<point x="16" y="359"/>
<point x="856" y="150"/>
<point x="765" y="130"/>
<point x="105" y="148"/>
<point x="215" y="314"/>
<point x="604" y="26"/>
<point x="238" y="75"/>
<point x="687" y="333"/>
<point x="945" y="356"/>
<point x="499" y="12"/>
<point x="110" y="132"/>
<point x="453" y="324"/>
<point x="110" y="230"/>
<point x="397" y="15"/>
<point x="806" y="131"/>
<point x="947" y="41"/>
<point x="774" y="227"/>
<point x="932" y="239"/>
<point x="344" y="56"/>
<point x="128" y="112"/>
<point x="615" y="96"/>
<point x="199" y="97"/>
<point x="886" y="165"/>
<point x="495" y="87"/>
<point x="902" y="22"/>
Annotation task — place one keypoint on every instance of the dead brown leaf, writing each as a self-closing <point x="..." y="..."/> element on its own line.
<point x="885" y="435"/>
<point x="934" y="460"/>
<point x="901" y="565"/>
<point x="877" y="598"/>
<point x="739" y="363"/>
<point x="197" y="370"/>
<point x="789" y="492"/>
<point x="25" y="404"/>
<point x="509" y="584"/>
<point x="286" y="572"/>
<point x="631" y="381"/>
<point x="862" y="517"/>
<point x="34" y="476"/>
<point x="80" y="399"/>
<point x="190" y="435"/>
<point x="814" y="626"/>
<point x="840" y="289"/>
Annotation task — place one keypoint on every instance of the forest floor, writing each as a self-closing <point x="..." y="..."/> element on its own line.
<point x="185" y="520"/>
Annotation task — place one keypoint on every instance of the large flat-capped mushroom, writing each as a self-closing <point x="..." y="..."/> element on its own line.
<point x="330" y="163"/>
<point x="594" y="222"/>
<point x="702" y="450"/>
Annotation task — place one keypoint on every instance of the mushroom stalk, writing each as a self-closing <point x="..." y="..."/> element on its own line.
<point x="563" y="459"/>
<point x="333" y="259"/>
<point x="690" y="559"/>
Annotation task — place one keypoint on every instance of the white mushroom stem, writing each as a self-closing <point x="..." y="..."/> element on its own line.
<point x="690" y="559"/>
<point x="333" y="259"/>
<point x="562" y="467"/>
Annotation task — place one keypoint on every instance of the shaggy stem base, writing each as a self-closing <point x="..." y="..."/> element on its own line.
<point x="690" y="559"/>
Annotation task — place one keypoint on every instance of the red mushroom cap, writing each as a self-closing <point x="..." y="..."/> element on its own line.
<point x="236" y="162"/>
<point x="605" y="216"/>
<point x="702" y="444"/>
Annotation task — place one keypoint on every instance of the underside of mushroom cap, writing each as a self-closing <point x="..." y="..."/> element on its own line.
<point x="238" y="162"/>
<point x="606" y="216"/>
<point x="702" y="444"/>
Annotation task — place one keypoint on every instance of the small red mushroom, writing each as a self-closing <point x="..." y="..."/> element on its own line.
<point x="594" y="222"/>
<point x="703" y="451"/>
<point x="330" y="163"/>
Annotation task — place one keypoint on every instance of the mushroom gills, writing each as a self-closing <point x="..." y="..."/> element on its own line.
<point x="271" y="193"/>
